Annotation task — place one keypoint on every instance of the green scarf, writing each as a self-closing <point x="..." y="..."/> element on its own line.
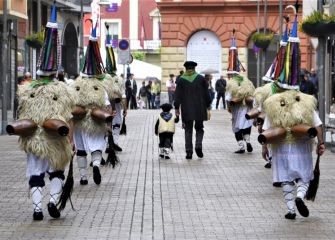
<point x="40" y="82"/>
<point x="276" y="89"/>
<point x="238" y="79"/>
<point x="190" y="75"/>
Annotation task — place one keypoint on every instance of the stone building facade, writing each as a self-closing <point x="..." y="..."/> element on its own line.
<point x="201" y="30"/>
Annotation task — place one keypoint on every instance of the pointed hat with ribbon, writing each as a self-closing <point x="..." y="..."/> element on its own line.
<point x="49" y="59"/>
<point x="110" y="57"/>
<point x="92" y="65"/>
<point x="234" y="64"/>
<point x="289" y="75"/>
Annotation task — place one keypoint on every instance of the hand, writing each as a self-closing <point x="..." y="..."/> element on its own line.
<point x="265" y="153"/>
<point x="320" y="149"/>
<point x="177" y="112"/>
<point x="113" y="113"/>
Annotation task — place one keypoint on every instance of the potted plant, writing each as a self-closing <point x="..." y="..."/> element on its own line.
<point x="318" y="24"/>
<point x="35" y="40"/>
<point x="262" y="40"/>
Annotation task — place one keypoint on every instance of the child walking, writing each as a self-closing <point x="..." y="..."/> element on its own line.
<point x="165" y="128"/>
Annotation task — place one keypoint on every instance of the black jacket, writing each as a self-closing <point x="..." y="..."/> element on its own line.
<point x="130" y="90"/>
<point x="220" y="85"/>
<point x="193" y="98"/>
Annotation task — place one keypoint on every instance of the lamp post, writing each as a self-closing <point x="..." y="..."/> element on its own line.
<point x="4" y="69"/>
<point x="320" y="57"/>
<point x="258" y="53"/>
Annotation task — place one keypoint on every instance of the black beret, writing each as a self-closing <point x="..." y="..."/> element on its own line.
<point x="190" y="64"/>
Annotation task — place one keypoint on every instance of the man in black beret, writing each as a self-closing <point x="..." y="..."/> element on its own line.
<point x="192" y="97"/>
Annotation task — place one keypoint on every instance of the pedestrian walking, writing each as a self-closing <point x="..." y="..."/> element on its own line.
<point x="131" y="92"/>
<point x="239" y="89"/>
<point x="191" y="96"/>
<point x="306" y="86"/>
<point x="220" y="88"/>
<point x="292" y="162"/>
<point x="165" y="128"/>
<point x="90" y="129"/>
<point x="211" y="91"/>
<point x="143" y="95"/>
<point x="171" y="87"/>
<point x="45" y="108"/>
<point x="181" y="73"/>
<point x="149" y="94"/>
<point x="313" y="77"/>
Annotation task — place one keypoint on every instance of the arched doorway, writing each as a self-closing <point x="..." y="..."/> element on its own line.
<point x="270" y="55"/>
<point x="204" y="47"/>
<point x="69" y="50"/>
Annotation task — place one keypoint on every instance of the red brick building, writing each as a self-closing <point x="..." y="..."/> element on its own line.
<point x="201" y="30"/>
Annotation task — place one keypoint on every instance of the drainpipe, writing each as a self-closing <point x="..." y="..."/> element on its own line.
<point x="4" y="69"/>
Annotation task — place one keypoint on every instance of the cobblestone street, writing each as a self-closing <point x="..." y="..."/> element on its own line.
<point x="222" y="196"/>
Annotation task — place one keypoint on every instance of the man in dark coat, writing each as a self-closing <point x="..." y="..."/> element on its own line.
<point x="131" y="91"/>
<point x="220" y="88"/>
<point x="192" y="96"/>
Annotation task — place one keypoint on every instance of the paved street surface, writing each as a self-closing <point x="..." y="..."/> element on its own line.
<point x="222" y="196"/>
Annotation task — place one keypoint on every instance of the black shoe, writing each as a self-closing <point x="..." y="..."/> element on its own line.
<point x="91" y="164"/>
<point x="249" y="147"/>
<point x="276" y="184"/>
<point x="38" y="216"/>
<point x="167" y="157"/>
<point x="267" y="165"/>
<point x="290" y="216"/>
<point x="103" y="162"/>
<point x="188" y="155"/>
<point x="107" y="150"/>
<point x="161" y="155"/>
<point x="96" y="175"/>
<point x="303" y="210"/>
<point x="83" y="182"/>
<point x="240" y="151"/>
<point x="199" y="152"/>
<point x="117" y="148"/>
<point x="53" y="211"/>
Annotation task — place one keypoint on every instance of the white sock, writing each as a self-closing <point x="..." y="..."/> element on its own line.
<point x="56" y="187"/>
<point x="302" y="188"/>
<point x="82" y="165"/>
<point x="96" y="158"/>
<point x="36" y="195"/>
<point x="116" y="135"/>
<point x="166" y="152"/>
<point x="240" y="145"/>
<point x="246" y="138"/>
<point x="288" y="191"/>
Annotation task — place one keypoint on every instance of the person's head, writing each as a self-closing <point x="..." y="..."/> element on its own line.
<point x="121" y="75"/>
<point x="171" y="76"/>
<point x="313" y="71"/>
<point x="27" y="75"/>
<point x="143" y="83"/>
<point x="306" y="76"/>
<point x="166" y="107"/>
<point x="190" y="65"/>
<point x="221" y="77"/>
<point x="181" y="72"/>
<point x="61" y="76"/>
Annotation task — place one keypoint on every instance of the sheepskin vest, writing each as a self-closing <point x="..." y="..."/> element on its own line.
<point x="166" y="126"/>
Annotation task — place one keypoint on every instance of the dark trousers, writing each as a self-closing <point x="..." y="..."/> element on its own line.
<point x="132" y="100"/>
<point x="219" y="95"/>
<point x="239" y="135"/>
<point x="165" y="140"/>
<point x="149" y="96"/>
<point x="199" y="135"/>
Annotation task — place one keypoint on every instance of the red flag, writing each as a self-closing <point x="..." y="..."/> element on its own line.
<point x="142" y="36"/>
